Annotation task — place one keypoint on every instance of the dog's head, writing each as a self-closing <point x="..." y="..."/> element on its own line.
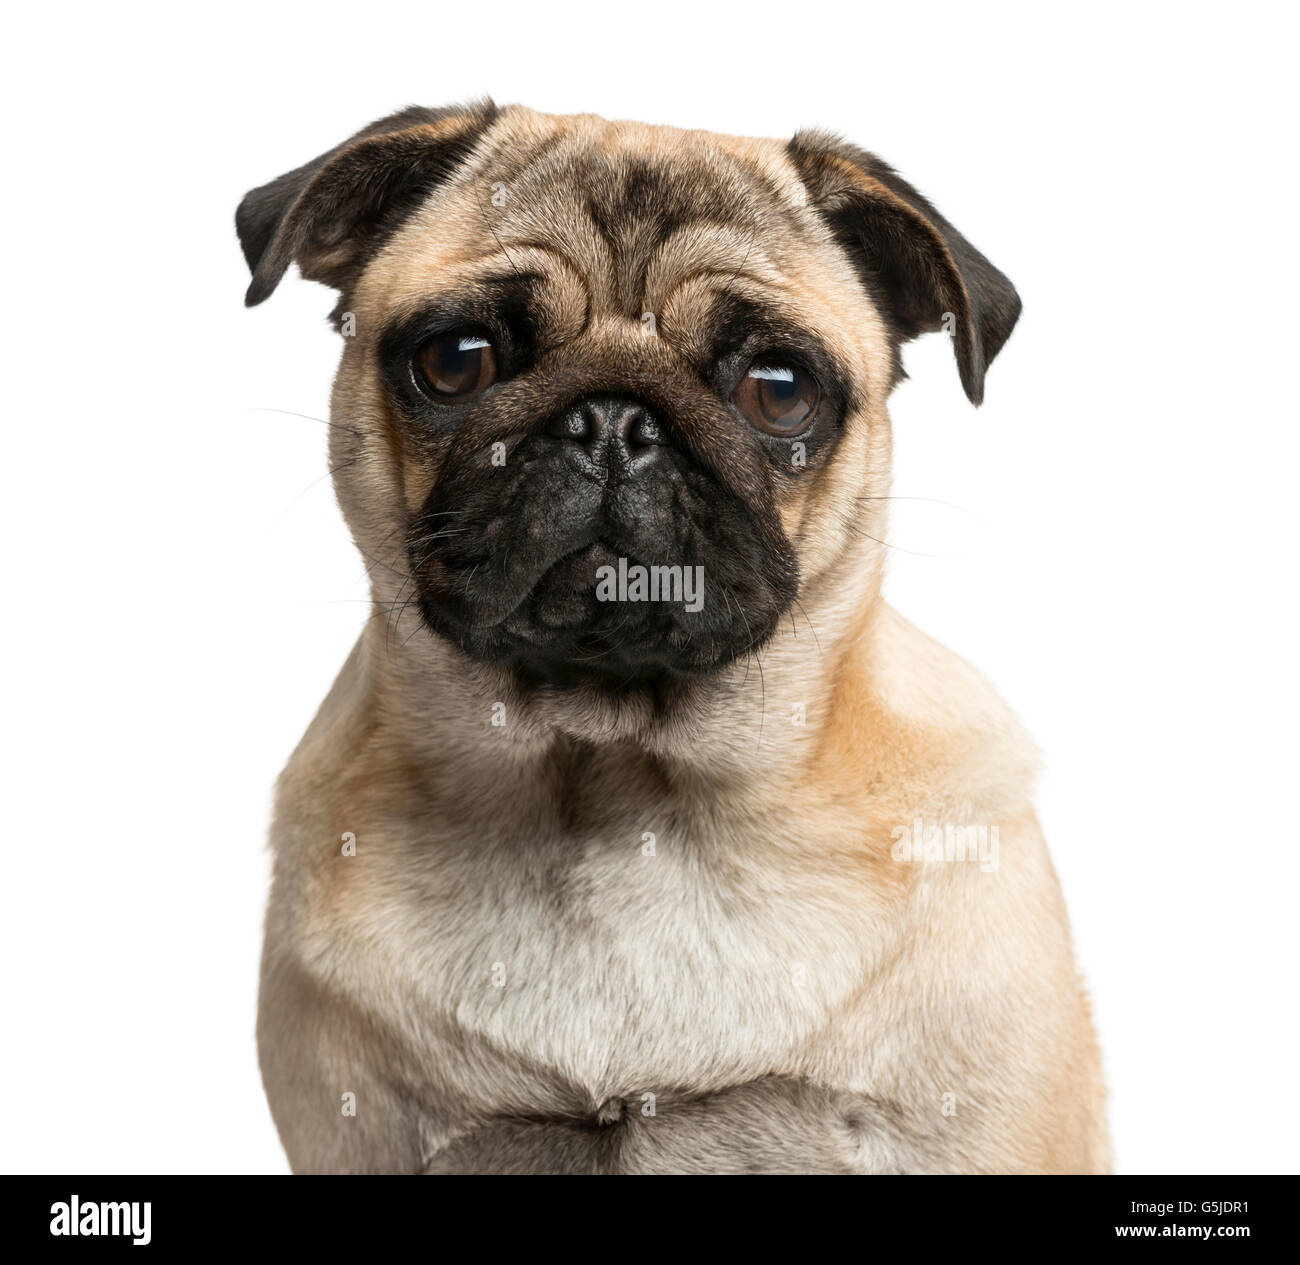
<point x="612" y="396"/>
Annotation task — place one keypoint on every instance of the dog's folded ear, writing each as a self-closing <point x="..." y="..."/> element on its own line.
<point x="920" y="271"/>
<point x="327" y="214"/>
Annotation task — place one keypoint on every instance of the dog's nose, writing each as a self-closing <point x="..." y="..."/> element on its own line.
<point x="617" y="433"/>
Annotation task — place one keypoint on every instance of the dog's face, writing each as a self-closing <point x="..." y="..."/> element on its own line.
<point x="617" y="390"/>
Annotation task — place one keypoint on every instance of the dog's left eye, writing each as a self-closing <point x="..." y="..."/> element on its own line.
<point x="457" y="366"/>
<point x="778" y="399"/>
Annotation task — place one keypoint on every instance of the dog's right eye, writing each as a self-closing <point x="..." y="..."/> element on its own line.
<point x="456" y="366"/>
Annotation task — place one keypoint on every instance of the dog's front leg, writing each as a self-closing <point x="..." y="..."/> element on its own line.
<point x="337" y="1107"/>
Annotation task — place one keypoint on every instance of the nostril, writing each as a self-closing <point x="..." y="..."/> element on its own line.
<point x="644" y="430"/>
<point x="573" y="423"/>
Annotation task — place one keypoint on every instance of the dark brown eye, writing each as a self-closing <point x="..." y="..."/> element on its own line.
<point x="777" y="399"/>
<point x="457" y="366"/>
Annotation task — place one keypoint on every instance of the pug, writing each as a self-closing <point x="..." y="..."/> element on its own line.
<point x="638" y="834"/>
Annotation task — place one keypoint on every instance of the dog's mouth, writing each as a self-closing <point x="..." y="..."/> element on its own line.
<point x="606" y="611"/>
<point x="597" y="614"/>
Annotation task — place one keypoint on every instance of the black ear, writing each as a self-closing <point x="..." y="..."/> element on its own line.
<point x="920" y="270"/>
<point x="329" y="214"/>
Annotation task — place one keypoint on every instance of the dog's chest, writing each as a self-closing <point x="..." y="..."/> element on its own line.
<point x="619" y="964"/>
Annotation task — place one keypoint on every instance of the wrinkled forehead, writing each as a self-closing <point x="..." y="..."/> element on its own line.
<point x="625" y="220"/>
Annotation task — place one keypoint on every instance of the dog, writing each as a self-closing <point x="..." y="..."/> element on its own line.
<point x="638" y="834"/>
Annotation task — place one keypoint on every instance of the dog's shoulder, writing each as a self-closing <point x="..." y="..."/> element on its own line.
<point x="930" y="724"/>
<point x="922" y="677"/>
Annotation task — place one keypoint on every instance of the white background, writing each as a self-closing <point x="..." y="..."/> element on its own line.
<point x="1111" y="538"/>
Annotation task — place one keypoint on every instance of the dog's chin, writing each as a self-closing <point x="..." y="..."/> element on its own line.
<point x="561" y="633"/>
